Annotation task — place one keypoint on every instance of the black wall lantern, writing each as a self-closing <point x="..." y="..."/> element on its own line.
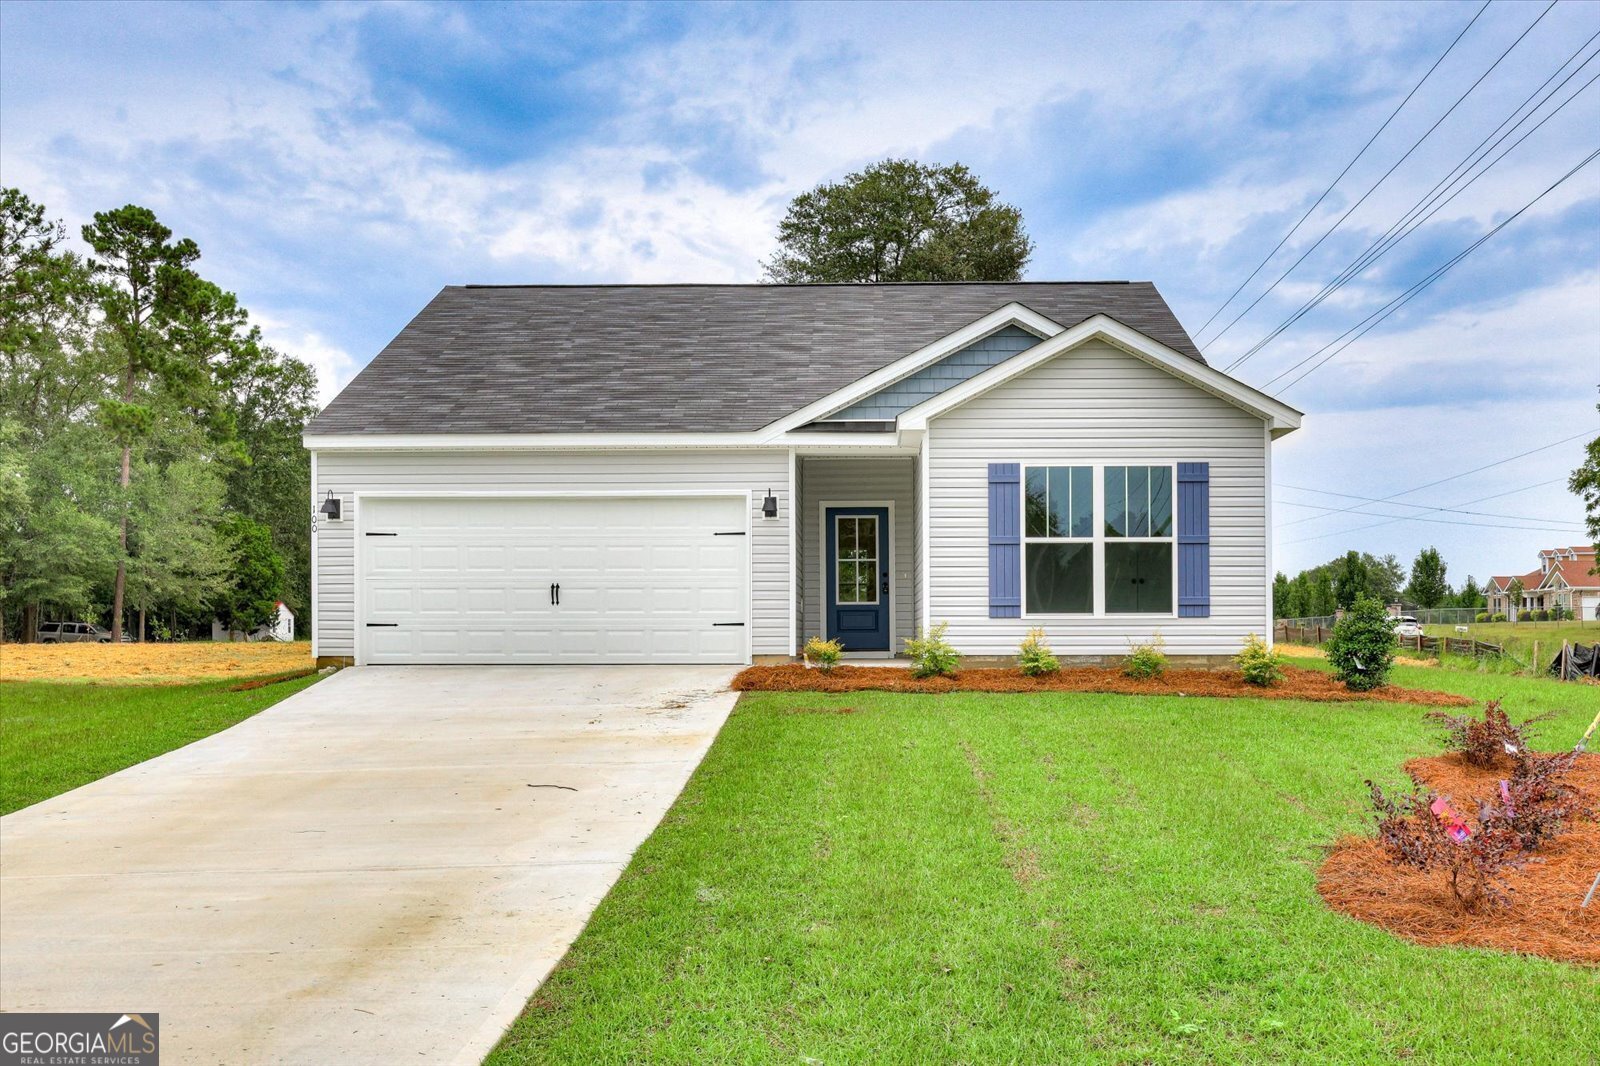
<point x="769" y="506"/>
<point x="330" y="507"/>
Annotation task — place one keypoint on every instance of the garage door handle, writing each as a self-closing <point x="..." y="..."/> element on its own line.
<point x="382" y="625"/>
<point x="383" y="534"/>
<point x="740" y="624"/>
<point x="739" y="533"/>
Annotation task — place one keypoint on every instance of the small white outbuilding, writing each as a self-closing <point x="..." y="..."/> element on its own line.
<point x="281" y="628"/>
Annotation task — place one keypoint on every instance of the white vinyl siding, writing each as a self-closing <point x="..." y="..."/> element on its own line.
<point x="868" y="479"/>
<point x="588" y="472"/>
<point x="1096" y="404"/>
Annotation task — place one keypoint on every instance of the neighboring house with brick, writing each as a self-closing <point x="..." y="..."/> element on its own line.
<point x="1564" y="579"/>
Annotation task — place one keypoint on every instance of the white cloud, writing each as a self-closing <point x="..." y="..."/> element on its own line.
<point x="334" y="366"/>
<point x="260" y="133"/>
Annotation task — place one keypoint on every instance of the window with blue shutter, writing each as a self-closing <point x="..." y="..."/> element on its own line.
<point x="1194" y="540"/>
<point x="1005" y="540"/>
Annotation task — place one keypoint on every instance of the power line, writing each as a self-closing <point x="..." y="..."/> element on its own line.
<point x="1571" y="527"/>
<point x="1435" y="522"/>
<point x="1385" y="176"/>
<point x="1464" y="473"/>
<point x="1367" y="324"/>
<point x="1345" y="171"/>
<point x="1435" y="200"/>
<point x="1480" y="499"/>
<point x="1402" y="503"/>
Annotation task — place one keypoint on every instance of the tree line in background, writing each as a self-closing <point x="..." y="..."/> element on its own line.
<point x="1337" y="584"/>
<point x="151" y="472"/>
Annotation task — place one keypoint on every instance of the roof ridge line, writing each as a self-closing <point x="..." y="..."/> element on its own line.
<point x="768" y="285"/>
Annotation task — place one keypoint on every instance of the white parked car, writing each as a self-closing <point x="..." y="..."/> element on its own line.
<point x="1407" y="627"/>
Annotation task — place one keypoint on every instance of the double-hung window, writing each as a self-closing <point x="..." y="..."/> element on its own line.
<point x="1058" y="540"/>
<point x="1138" y="539"/>
<point x="1098" y="553"/>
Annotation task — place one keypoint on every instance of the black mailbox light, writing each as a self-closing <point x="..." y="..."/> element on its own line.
<point x="769" y="506"/>
<point x="330" y="507"/>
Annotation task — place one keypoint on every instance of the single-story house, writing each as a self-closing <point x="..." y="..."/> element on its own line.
<point x="1565" y="579"/>
<point x="715" y="473"/>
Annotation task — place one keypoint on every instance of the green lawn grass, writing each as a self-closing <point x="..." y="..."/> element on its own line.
<point x="1039" y="878"/>
<point x="1518" y="637"/>
<point x="55" y="737"/>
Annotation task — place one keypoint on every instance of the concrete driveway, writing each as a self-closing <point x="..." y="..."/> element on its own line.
<point x="374" y="870"/>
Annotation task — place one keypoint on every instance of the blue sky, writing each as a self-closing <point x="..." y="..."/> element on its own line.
<point x="339" y="164"/>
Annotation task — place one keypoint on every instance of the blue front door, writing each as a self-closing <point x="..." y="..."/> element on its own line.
<point x="857" y="607"/>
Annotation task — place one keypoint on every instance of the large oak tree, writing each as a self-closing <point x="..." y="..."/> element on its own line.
<point x="900" y="220"/>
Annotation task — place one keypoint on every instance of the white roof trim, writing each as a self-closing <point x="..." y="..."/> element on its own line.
<point x="1547" y="583"/>
<point x="415" y="442"/>
<point x="1280" y="417"/>
<point x="1012" y="314"/>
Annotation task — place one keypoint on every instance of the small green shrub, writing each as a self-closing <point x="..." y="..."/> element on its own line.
<point x="823" y="654"/>
<point x="1145" y="661"/>
<point x="932" y="655"/>
<point x="1362" y="647"/>
<point x="1498" y="617"/>
<point x="1035" y="658"/>
<point x="1482" y="616"/>
<point x="1259" y="662"/>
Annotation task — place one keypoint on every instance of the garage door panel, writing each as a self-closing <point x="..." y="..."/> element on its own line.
<point x="643" y="579"/>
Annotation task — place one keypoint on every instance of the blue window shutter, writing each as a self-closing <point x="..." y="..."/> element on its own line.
<point x="1005" y="540"/>
<point x="1194" y="540"/>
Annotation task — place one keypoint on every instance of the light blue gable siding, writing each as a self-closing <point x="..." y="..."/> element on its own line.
<point x="930" y="381"/>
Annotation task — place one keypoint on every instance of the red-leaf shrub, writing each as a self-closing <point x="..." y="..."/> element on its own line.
<point x="1485" y="741"/>
<point x="1413" y="836"/>
<point x="1537" y="803"/>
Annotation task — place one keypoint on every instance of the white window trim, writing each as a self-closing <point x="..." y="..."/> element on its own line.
<point x="1099" y="540"/>
<point x="877" y="558"/>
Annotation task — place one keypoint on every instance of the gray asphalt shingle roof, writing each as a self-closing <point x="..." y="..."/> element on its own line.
<point x="677" y="358"/>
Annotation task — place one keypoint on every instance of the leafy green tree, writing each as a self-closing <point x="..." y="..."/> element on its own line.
<point x="1514" y="593"/>
<point x="269" y="398"/>
<point x="1470" y="595"/>
<point x="1324" y="599"/>
<point x="1303" y="597"/>
<point x="1428" y="587"/>
<point x="1585" y="481"/>
<point x="57" y="532"/>
<point x="900" y="220"/>
<point x="179" y="558"/>
<point x="1282" y="597"/>
<point x="168" y="324"/>
<point x="52" y="370"/>
<point x="1385" y="577"/>
<point x="43" y="297"/>
<point x="255" y="585"/>
<point x="1352" y="580"/>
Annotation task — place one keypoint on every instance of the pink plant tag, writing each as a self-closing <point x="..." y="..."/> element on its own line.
<point x="1454" y="826"/>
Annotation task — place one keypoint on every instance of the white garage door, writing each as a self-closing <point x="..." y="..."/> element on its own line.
<point x="653" y="579"/>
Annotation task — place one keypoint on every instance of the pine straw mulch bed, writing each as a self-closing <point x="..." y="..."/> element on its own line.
<point x="151" y="664"/>
<point x="1544" y="917"/>
<point x="1298" y="684"/>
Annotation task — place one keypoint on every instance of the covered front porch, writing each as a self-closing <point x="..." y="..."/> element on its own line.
<point x="857" y="554"/>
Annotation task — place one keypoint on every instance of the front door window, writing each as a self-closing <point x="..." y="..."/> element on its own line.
<point x="856" y="565"/>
